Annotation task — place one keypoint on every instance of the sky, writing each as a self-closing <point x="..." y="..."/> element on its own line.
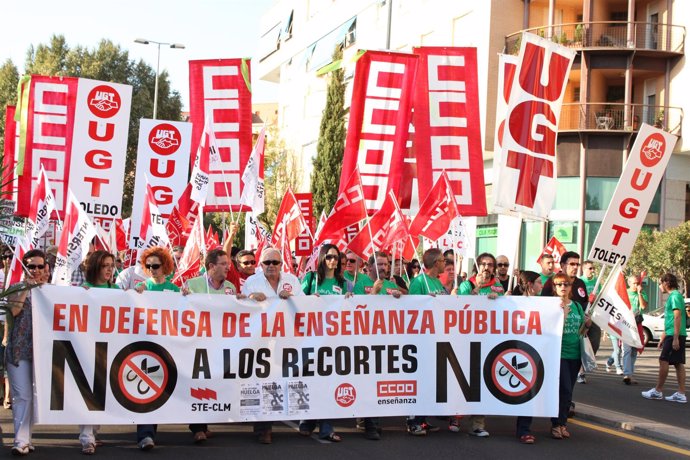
<point x="208" y="29"/>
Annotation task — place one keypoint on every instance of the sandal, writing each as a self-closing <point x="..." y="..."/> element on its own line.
<point x="556" y="432"/>
<point x="564" y="433"/>
<point x="527" y="439"/>
<point x="333" y="437"/>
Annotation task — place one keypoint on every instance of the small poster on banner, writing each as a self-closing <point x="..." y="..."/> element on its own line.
<point x="272" y="398"/>
<point x="298" y="397"/>
<point x="250" y="399"/>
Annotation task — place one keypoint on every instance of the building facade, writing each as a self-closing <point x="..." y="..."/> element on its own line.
<point x="630" y="68"/>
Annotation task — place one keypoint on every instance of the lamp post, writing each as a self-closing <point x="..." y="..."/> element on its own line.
<point x="158" y="63"/>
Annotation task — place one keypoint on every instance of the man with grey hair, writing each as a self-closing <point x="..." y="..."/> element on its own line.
<point x="271" y="282"/>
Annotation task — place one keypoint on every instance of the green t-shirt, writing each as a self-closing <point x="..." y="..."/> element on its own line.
<point x="674" y="302"/>
<point x="544" y="278"/>
<point x="635" y="301"/>
<point x="101" y="286"/>
<point x="351" y="278"/>
<point x="365" y="284"/>
<point x="328" y="286"/>
<point x="589" y="284"/>
<point x="570" y="343"/>
<point x="199" y="285"/>
<point x="418" y="286"/>
<point x="496" y="287"/>
<point x="164" y="286"/>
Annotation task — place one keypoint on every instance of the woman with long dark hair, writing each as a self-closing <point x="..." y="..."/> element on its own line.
<point x="327" y="280"/>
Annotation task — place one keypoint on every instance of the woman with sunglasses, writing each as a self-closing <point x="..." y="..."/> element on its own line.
<point x="327" y="280"/>
<point x="574" y="320"/>
<point x="19" y="352"/>
<point x="158" y="264"/>
<point x="413" y="269"/>
<point x="98" y="273"/>
<point x="529" y="285"/>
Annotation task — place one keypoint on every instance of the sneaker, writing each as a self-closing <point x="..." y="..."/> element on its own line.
<point x="619" y="371"/>
<point x="581" y="378"/>
<point x="20" y="451"/>
<point x="480" y="432"/>
<point x="430" y="428"/>
<point x="652" y="394"/>
<point x="454" y="424"/>
<point x="608" y="367"/>
<point x="677" y="397"/>
<point x="416" y="430"/>
<point x="146" y="444"/>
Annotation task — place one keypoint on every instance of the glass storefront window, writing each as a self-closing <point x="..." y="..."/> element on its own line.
<point x="531" y="245"/>
<point x="565" y="232"/>
<point x="599" y="192"/>
<point x="567" y="193"/>
<point x="487" y="237"/>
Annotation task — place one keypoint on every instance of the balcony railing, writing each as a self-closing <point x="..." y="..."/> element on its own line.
<point x="603" y="116"/>
<point x="611" y="34"/>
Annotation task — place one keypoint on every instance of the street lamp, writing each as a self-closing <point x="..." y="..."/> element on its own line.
<point x="158" y="63"/>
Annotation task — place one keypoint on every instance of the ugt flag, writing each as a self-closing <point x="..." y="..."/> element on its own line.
<point x="77" y="233"/>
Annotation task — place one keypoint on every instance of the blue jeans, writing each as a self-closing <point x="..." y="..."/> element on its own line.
<point x="325" y="427"/>
<point x="629" y="357"/>
<point x="569" y="369"/>
<point x="146" y="431"/>
<point x="615" y="358"/>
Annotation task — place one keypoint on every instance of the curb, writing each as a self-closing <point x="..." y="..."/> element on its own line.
<point x="647" y="428"/>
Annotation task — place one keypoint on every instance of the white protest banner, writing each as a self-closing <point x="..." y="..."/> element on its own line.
<point x="115" y="357"/>
<point x="455" y="238"/>
<point x="611" y="310"/>
<point x="162" y="155"/>
<point x="633" y="196"/>
<point x="99" y="146"/>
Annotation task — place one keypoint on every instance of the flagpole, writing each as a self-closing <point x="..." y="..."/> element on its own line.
<point x="371" y="238"/>
<point x="516" y="255"/>
<point x="14" y="254"/>
<point x="455" y="255"/>
<point x="602" y="269"/>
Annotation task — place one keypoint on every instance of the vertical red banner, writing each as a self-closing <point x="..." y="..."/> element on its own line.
<point x="48" y="130"/>
<point x="9" y="160"/>
<point x="221" y="90"/>
<point x="447" y="125"/>
<point x="379" y="123"/>
<point x="304" y="243"/>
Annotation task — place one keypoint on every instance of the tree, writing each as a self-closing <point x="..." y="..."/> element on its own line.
<point x="658" y="253"/>
<point x="109" y="62"/>
<point x="325" y="178"/>
<point x="9" y="78"/>
<point x="279" y="174"/>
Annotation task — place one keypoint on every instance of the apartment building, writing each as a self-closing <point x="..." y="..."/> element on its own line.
<point x="630" y="68"/>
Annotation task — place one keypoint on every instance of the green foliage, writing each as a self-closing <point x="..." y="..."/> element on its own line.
<point x="663" y="252"/>
<point x="325" y="178"/>
<point x="107" y="62"/>
<point x="280" y="173"/>
<point x="9" y="78"/>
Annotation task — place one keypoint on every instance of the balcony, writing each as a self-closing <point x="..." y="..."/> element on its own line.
<point x="615" y="117"/>
<point x="645" y="37"/>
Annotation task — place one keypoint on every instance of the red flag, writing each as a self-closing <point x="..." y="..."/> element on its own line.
<point x="397" y="226"/>
<point x="556" y="249"/>
<point x="182" y="218"/>
<point x="384" y="225"/>
<point x="9" y="160"/>
<point x="287" y="256"/>
<point x="348" y="209"/>
<point x="212" y="241"/>
<point x="436" y="212"/>
<point x="14" y="275"/>
<point x="289" y="219"/>
<point x="261" y="243"/>
<point x="190" y="262"/>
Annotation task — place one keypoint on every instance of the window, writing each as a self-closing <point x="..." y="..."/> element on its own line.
<point x="321" y="52"/>
<point x="487" y="237"/>
<point x="531" y="245"/>
<point x="599" y="192"/>
<point x="287" y="29"/>
<point x="565" y="232"/>
<point x="269" y="42"/>
<point x="567" y="193"/>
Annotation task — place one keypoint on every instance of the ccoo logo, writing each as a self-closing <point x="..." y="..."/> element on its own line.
<point x="345" y="395"/>
<point x="164" y="139"/>
<point x="652" y="150"/>
<point x="104" y="101"/>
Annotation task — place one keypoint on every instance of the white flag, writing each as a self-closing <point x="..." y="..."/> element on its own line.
<point x="207" y="158"/>
<point x="77" y="233"/>
<point x="253" y="177"/>
<point x="42" y="206"/>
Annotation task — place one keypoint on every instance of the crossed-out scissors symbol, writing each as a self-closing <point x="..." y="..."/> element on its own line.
<point x="132" y="376"/>
<point x="503" y="371"/>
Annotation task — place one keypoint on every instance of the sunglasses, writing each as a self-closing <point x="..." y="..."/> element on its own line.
<point x="7" y="256"/>
<point x="574" y="264"/>
<point x="414" y="266"/>
<point x="248" y="262"/>
<point x="331" y="257"/>
<point x="352" y="261"/>
<point x="35" y="267"/>
<point x="503" y="265"/>
<point x="561" y="284"/>
<point x="153" y="266"/>
<point x="271" y="262"/>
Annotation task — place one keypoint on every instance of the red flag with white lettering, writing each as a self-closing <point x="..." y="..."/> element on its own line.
<point x="348" y="209"/>
<point x="378" y="230"/>
<point x="526" y="176"/>
<point x="436" y="212"/>
<point x="212" y="241"/>
<point x="289" y="219"/>
<point x="16" y="270"/>
<point x="77" y="233"/>
<point x="190" y="262"/>
<point x="182" y="218"/>
<point x="380" y="115"/>
<point x="152" y="231"/>
<point x="554" y="248"/>
<point x="447" y="125"/>
<point x="221" y="90"/>
<point x="42" y="206"/>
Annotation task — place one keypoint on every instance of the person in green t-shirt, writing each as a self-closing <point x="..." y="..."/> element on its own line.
<point x="546" y="261"/>
<point x="327" y="280"/>
<point x="427" y="283"/>
<point x="98" y="271"/>
<point x="672" y="342"/>
<point x="638" y="302"/>
<point x="589" y="278"/>
<point x="379" y="269"/>
<point x="351" y="267"/>
<point x="570" y="351"/>
<point x="158" y="265"/>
